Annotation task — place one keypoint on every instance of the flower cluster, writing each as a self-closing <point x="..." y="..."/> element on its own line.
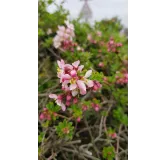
<point x="121" y="79"/>
<point x="46" y="114"/>
<point x="113" y="46"/>
<point x="64" y="35"/>
<point x="73" y="83"/>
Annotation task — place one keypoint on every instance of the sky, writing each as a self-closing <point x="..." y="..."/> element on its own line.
<point x="100" y="9"/>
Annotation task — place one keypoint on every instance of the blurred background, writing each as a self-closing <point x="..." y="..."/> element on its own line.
<point x="96" y="10"/>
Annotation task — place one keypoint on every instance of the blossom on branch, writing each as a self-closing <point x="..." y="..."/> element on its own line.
<point x="74" y="82"/>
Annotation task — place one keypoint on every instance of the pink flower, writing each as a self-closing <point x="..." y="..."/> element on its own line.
<point x="121" y="79"/>
<point x="113" y="135"/>
<point x="64" y="34"/>
<point x="42" y="116"/>
<point x="101" y="64"/>
<point x="58" y="100"/>
<point x="78" y="119"/>
<point x="96" y="85"/>
<point x="73" y="82"/>
<point x="96" y="109"/>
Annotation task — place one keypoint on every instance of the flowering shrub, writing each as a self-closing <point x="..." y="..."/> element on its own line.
<point x="83" y="82"/>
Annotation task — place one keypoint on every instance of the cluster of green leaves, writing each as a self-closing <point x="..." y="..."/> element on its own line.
<point x="65" y="130"/>
<point x="97" y="76"/>
<point x="109" y="153"/>
<point x="76" y="111"/>
<point x="52" y="107"/>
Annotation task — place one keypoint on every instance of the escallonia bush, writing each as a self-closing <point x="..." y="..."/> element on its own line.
<point x="83" y="87"/>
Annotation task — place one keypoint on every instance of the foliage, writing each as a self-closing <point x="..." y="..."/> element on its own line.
<point x="108" y="153"/>
<point x="91" y="124"/>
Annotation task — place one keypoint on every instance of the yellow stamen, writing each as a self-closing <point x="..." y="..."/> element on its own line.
<point x="72" y="81"/>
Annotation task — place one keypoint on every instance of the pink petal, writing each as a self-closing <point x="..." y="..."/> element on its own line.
<point x="90" y="83"/>
<point x="75" y="64"/>
<point x="61" y="63"/>
<point x="63" y="107"/>
<point x="82" y="87"/>
<point x="88" y="74"/>
<point x="66" y="77"/>
<point x="73" y="86"/>
<point x="73" y="73"/>
<point x="68" y="66"/>
<point x="61" y="28"/>
<point x="80" y="68"/>
<point x="53" y="96"/>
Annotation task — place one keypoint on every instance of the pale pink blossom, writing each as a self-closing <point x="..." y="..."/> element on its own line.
<point x="64" y="35"/>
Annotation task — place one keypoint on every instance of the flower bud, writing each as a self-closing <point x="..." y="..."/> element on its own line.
<point x="73" y="73"/>
<point x="75" y="100"/>
<point x="68" y="98"/>
<point x="101" y="64"/>
<point x="78" y="119"/>
<point x="67" y="103"/>
<point x="42" y="116"/>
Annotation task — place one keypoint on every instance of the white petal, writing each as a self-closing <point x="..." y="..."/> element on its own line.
<point x="73" y="86"/>
<point x="82" y="87"/>
<point x="63" y="107"/>
<point x="88" y="74"/>
<point x="75" y="64"/>
<point x="89" y="83"/>
<point x="74" y="92"/>
<point x="80" y="68"/>
<point x="53" y="96"/>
